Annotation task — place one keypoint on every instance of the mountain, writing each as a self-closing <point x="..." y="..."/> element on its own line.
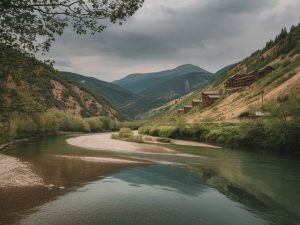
<point x="115" y="94"/>
<point x="281" y="54"/>
<point x="155" y="89"/>
<point x="27" y="84"/>
<point x="141" y="82"/>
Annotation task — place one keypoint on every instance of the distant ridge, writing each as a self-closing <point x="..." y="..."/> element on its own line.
<point x="139" y="82"/>
<point x="115" y="94"/>
<point x="155" y="89"/>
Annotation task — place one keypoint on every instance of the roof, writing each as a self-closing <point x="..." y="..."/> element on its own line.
<point x="197" y="100"/>
<point x="180" y="109"/>
<point x="214" y="96"/>
<point x="211" y="92"/>
<point x="259" y="113"/>
<point x="188" y="106"/>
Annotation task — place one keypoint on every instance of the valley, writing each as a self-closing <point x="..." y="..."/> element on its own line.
<point x="157" y="141"/>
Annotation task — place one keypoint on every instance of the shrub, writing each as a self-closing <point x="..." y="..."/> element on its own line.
<point x="114" y="136"/>
<point x="94" y="123"/>
<point x="125" y="133"/>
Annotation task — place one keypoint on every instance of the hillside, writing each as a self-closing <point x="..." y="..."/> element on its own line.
<point x="115" y="94"/>
<point x="155" y="89"/>
<point x="282" y="54"/>
<point x="143" y="82"/>
<point x="28" y="85"/>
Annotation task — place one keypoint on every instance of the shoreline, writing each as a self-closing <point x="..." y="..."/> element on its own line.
<point x="104" y="142"/>
<point x="15" y="173"/>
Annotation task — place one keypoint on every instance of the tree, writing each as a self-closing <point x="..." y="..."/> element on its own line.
<point x="32" y="25"/>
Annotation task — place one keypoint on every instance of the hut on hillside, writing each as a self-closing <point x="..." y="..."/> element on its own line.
<point x="180" y="111"/>
<point x="252" y="115"/>
<point x="208" y="97"/>
<point x="196" y="102"/>
<point x="187" y="108"/>
<point x="244" y="80"/>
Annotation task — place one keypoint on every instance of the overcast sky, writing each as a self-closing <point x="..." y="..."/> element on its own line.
<point x="168" y="33"/>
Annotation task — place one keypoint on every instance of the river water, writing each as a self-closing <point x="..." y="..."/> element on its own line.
<point x="215" y="187"/>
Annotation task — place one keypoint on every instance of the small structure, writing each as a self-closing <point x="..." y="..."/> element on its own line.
<point x="180" y="111"/>
<point x="187" y="108"/>
<point x="244" y="80"/>
<point x="252" y="115"/>
<point x="196" y="102"/>
<point x="208" y="97"/>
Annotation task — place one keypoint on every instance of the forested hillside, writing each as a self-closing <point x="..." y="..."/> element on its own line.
<point x="117" y="95"/>
<point x="155" y="89"/>
<point x="30" y="88"/>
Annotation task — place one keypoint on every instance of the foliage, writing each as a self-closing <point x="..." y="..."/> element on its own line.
<point x="127" y="134"/>
<point x="22" y="23"/>
<point x="20" y="125"/>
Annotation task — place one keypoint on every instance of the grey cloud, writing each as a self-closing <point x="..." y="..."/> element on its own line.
<point x="208" y="33"/>
<point x="240" y="6"/>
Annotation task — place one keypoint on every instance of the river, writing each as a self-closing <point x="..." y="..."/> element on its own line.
<point x="216" y="186"/>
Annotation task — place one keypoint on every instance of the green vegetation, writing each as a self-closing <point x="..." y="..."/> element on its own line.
<point x="126" y="134"/>
<point x="51" y="122"/>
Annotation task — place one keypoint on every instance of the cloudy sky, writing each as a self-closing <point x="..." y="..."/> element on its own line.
<point x="167" y="33"/>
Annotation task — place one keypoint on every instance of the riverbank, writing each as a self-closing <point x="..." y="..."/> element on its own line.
<point x="104" y="142"/>
<point x="269" y="134"/>
<point x="15" y="173"/>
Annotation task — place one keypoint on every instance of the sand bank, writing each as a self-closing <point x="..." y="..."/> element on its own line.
<point x="102" y="159"/>
<point x="15" y="173"/>
<point x="104" y="142"/>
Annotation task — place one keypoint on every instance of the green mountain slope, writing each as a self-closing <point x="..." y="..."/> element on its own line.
<point x="141" y="83"/>
<point x="282" y="53"/>
<point x="155" y="89"/>
<point x="115" y="94"/>
<point x="166" y="91"/>
<point x="28" y="85"/>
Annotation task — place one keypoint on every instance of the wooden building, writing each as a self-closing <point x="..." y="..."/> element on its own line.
<point x="196" y="102"/>
<point x="208" y="97"/>
<point x="244" y="80"/>
<point x="180" y="111"/>
<point x="187" y="108"/>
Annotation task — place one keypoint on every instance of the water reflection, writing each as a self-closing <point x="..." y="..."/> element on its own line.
<point x="228" y="187"/>
<point x="128" y="198"/>
<point x="169" y="178"/>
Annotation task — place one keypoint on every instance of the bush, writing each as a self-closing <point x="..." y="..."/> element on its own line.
<point x="95" y="123"/>
<point x="125" y="133"/>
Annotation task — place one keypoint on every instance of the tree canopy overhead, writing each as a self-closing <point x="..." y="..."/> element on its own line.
<point x="31" y="25"/>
